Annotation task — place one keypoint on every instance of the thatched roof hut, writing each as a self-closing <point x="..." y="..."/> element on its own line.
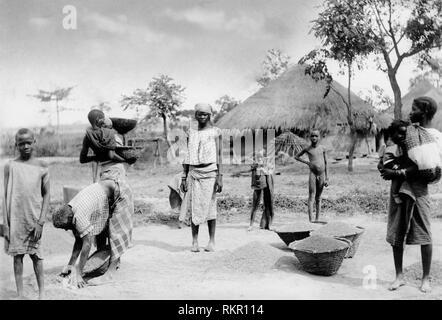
<point x="295" y="101"/>
<point x="423" y="88"/>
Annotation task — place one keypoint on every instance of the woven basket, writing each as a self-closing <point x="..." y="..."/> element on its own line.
<point x="355" y="242"/>
<point x="289" y="237"/>
<point x="98" y="263"/>
<point x="352" y="237"/>
<point x="322" y="263"/>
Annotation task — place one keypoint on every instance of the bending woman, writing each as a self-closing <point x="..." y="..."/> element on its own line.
<point x="111" y="167"/>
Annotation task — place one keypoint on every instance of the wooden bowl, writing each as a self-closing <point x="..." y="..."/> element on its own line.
<point x="122" y="125"/>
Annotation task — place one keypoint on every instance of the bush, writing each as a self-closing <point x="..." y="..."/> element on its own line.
<point x="348" y="204"/>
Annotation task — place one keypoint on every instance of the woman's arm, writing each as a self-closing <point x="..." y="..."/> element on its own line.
<point x="84" y="158"/>
<point x="45" y="193"/>
<point x="115" y="157"/>
<point x="219" y="176"/>
<point x="408" y="171"/>
<point x="75" y="251"/>
<point x="5" y="210"/>
<point x="184" y="177"/>
<point x="84" y="255"/>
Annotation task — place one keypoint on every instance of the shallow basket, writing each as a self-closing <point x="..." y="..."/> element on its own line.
<point x="123" y="126"/>
<point x="322" y="263"/>
<point x="289" y="237"/>
<point x="98" y="263"/>
<point x="354" y="238"/>
<point x="355" y="242"/>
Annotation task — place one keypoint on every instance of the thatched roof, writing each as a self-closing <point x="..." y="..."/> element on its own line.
<point x="295" y="100"/>
<point x="424" y="88"/>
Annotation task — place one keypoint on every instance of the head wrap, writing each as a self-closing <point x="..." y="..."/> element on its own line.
<point x="203" y="107"/>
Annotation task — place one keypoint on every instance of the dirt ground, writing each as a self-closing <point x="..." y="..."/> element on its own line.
<point x="160" y="265"/>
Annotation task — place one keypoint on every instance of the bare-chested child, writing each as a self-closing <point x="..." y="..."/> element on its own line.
<point x="318" y="172"/>
<point x="26" y="204"/>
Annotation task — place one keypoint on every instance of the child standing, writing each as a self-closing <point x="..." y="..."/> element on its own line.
<point x="262" y="170"/>
<point x="318" y="172"/>
<point x="26" y="181"/>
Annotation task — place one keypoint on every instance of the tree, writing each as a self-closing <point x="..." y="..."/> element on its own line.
<point x="162" y="97"/>
<point x="339" y="27"/>
<point x="401" y="29"/>
<point x="223" y="105"/>
<point x="56" y="95"/>
<point x="429" y="69"/>
<point x="274" y="65"/>
<point x="103" y="106"/>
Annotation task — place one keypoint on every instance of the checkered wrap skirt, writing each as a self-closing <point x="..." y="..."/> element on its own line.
<point x="121" y="211"/>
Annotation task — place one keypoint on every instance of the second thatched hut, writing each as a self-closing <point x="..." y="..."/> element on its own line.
<point x="296" y="102"/>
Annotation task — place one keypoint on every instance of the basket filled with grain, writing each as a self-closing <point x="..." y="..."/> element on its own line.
<point x="129" y="153"/>
<point x="295" y="231"/>
<point x="98" y="263"/>
<point x="321" y="255"/>
<point x="342" y="230"/>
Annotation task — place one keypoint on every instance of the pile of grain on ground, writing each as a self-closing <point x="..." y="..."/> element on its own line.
<point x="252" y="257"/>
<point x="297" y="227"/>
<point x="319" y="243"/>
<point x="339" y="229"/>
<point x="413" y="273"/>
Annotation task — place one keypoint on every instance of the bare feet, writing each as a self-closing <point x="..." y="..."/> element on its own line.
<point x="195" y="247"/>
<point x="250" y="228"/>
<point x="425" y="286"/>
<point x="399" y="282"/>
<point x="210" y="247"/>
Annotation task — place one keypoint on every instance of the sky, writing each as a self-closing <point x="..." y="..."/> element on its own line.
<point x="210" y="47"/>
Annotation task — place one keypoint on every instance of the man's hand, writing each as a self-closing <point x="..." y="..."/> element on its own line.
<point x="183" y="186"/>
<point x="38" y="228"/>
<point x="219" y="184"/>
<point x="326" y="182"/>
<point x="66" y="271"/>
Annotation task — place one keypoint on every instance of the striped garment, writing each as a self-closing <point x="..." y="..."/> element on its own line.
<point x="423" y="150"/>
<point x="91" y="210"/>
<point x="120" y="221"/>
<point x="199" y="202"/>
